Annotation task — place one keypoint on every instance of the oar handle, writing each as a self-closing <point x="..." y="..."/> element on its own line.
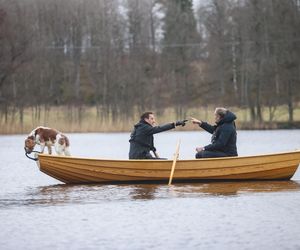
<point x="155" y="154"/>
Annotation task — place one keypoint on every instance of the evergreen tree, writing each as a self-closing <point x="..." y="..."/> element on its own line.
<point x="180" y="48"/>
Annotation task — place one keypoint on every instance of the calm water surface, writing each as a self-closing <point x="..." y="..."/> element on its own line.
<point x="38" y="212"/>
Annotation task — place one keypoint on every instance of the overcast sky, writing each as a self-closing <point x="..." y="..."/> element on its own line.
<point x="198" y="2"/>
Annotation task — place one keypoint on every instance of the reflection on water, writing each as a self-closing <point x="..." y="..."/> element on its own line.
<point x="238" y="188"/>
<point x="144" y="192"/>
<point x="91" y="194"/>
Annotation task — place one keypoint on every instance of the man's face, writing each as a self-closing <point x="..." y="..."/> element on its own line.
<point x="217" y="117"/>
<point x="150" y="120"/>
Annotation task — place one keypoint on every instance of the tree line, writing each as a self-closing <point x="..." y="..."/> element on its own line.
<point x="128" y="56"/>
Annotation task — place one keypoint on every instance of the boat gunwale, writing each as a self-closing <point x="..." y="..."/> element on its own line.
<point x="178" y="169"/>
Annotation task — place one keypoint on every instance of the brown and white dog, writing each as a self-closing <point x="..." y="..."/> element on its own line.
<point x="47" y="137"/>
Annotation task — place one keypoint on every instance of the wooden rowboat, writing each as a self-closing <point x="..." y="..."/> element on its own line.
<point x="281" y="166"/>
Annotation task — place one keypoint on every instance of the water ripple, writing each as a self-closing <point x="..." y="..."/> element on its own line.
<point x="56" y="195"/>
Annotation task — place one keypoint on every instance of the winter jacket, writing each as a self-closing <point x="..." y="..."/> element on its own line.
<point x="141" y="139"/>
<point x="223" y="135"/>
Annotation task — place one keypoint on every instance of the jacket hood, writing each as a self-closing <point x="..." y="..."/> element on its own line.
<point x="228" y="118"/>
<point x="140" y="123"/>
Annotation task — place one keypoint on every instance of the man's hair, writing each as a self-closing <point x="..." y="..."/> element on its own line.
<point x="146" y="115"/>
<point x="221" y="111"/>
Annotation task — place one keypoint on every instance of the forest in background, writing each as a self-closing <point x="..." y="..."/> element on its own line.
<point x="119" y="58"/>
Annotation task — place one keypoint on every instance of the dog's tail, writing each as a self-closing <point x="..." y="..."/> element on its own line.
<point x="64" y="140"/>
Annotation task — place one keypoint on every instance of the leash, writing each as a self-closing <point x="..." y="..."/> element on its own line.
<point x="31" y="158"/>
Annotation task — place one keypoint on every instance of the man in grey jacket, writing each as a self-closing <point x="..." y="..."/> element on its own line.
<point x="141" y="138"/>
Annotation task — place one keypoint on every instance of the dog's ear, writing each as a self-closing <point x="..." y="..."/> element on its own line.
<point x="29" y="141"/>
<point x="29" y="144"/>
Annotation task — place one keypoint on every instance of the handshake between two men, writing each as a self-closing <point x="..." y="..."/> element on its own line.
<point x="141" y="137"/>
<point x="183" y="122"/>
<point x="223" y="142"/>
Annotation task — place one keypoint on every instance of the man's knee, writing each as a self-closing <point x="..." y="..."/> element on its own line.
<point x="199" y="155"/>
<point x="210" y="154"/>
<point x="202" y="154"/>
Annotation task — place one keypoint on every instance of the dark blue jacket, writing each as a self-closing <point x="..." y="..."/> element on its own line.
<point x="141" y="139"/>
<point x="224" y="135"/>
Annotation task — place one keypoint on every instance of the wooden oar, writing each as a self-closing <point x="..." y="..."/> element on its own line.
<point x="174" y="162"/>
<point x="155" y="154"/>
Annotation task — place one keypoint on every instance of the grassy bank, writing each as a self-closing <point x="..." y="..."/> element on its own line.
<point x="69" y="119"/>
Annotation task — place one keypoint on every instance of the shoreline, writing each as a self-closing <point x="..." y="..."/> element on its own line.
<point x="89" y="120"/>
<point x="240" y="127"/>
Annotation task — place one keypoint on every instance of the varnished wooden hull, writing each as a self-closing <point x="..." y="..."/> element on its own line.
<point x="281" y="166"/>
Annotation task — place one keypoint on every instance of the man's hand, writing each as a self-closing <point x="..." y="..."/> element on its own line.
<point x="181" y="123"/>
<point x="199" y="149"/>
<point x="195" y="121"/>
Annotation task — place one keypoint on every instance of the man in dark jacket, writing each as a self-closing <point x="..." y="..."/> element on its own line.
<point x="223" y="141"/>
<point x="141" y="138"/>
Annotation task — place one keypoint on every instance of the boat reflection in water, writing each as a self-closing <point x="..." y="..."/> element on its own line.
<point x="95" y="193"/>
<point x="237" y="188"/>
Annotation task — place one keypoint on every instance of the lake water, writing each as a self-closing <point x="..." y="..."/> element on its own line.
<point x="39" y="212"/>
